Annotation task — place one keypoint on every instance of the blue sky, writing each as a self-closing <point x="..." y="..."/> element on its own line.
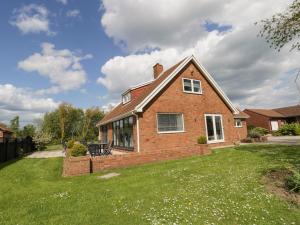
<point x="83" y="33"/>
<point x="88" y="52"/>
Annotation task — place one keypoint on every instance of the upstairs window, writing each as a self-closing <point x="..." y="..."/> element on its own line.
<point x="192" y="86"/>
<point x="238" y="123"/>
<point x="126" y="98"/>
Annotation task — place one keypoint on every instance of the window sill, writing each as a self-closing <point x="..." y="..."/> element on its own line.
<point x="191" y="92"/>
<point x="170" y="132"/>
<point x="238" y="126"/>
<point x="214" y="142"/>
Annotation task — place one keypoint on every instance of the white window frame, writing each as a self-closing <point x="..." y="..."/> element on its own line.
<point x="235" y="124"/>
<point x="192" y="86"/>
<point x="126" y="98"/>
<point x="170" y="132"/>
<point x="214" y="125"/>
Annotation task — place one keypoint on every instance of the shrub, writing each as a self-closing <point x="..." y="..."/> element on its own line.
<point x="70" y="143"/>
<point x="261" y="130"/>
<point x="254" y="134"/>
<point x="290" y="129"/>
<point x="293" y="182"/>
<point x="202" y="140"/>
<point x="78" y="149"/>
<point x="41" y="140"/>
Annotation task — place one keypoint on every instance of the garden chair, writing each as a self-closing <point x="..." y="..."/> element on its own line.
<point x="108" y="148"/>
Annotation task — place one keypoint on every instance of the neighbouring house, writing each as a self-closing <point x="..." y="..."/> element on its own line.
<point x="5" y="132"/>
<point x="273" y="119"/>
<point x="172" y="111"/>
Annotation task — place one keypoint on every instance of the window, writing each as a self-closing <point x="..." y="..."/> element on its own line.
<point x="170" y="122"/>
<point x="126" y="98"/>
<point x="192" y="86"/>
<point x="123" y="132"/>
<point x="103" y="132"/>
<point x="238" y="123"/>
<point x="214" y="128"/>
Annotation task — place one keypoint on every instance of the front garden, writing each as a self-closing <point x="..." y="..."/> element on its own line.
<point x="223" y="188"/>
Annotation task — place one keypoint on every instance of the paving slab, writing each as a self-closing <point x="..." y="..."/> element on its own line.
<point x="109" y="175"/>
<point x="46" y="154"/>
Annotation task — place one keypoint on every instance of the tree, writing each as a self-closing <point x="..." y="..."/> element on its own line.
<point x="283" y="28"/>
<point x="15" y="126"/>
<point x="28" y="130"/>
<point x="91" y="117"/>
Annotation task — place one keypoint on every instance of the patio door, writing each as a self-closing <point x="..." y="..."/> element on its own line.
<point x="274" y="125"/>
<point x="214" y="128"/>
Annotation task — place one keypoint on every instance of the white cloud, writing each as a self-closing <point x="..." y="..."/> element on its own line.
<point x="246" y="68"/>
<point x="64" y="2"/>
<point x="61" y="67"/>
<point x="32" y="19"/>
<point x="73" y="13"/>
<point x="23" y="102"/>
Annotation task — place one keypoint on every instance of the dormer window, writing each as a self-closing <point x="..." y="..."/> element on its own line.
<point x="126" y="98"/>
<point x="192" y="86"/>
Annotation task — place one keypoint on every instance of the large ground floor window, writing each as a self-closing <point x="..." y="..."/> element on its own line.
<point x="214" y="128"/>
<point x="123" y="132"/>
<point x="103" y="132"/>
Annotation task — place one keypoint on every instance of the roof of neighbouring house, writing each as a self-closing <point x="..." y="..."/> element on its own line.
<point x="289" y="111"/>
<point x="241" y="115"/>
<point x="4" y="128"/>
<point x="267" y="112"/>
<point x="152" y="88"/>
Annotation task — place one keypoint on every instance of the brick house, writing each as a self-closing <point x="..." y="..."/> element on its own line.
<point x="172" y="111"/>
<point x="273" y="119"/>
<point x="5" y="132"/>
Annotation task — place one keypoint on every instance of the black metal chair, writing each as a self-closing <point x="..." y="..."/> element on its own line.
<point x="94" y="149"/>
<point x="108" y="148"/>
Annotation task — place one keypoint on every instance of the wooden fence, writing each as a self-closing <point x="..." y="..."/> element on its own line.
<point x="13" y="148"/>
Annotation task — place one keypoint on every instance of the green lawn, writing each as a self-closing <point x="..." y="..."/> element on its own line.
<point x="223" y="188"/>
<point x="54" y="147"/>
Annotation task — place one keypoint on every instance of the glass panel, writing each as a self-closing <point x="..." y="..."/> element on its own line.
<point x="210" y="128"/>
<point x="219" y="130"/>
<point x="123" y="130"/>
<point x="187" y="85"/>
<point x="170" y="122"/>
<point x="196" y="86"/>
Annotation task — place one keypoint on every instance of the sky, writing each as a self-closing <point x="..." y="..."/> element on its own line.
<point x="88" y="52"/>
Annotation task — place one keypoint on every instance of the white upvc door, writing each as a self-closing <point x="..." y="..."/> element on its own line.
<point x="274" y="125"/>
<point x="214" y="128"/>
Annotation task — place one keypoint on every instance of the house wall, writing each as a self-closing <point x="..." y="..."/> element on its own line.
<point x="258" y="120"/>
<point x="193" y="107"/>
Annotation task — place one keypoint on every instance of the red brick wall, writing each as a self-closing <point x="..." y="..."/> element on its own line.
<point x="193" y="107"/>
<point x="73" y="166"/>
<point x="258" y="120"/>
<point x="84" y="165"/>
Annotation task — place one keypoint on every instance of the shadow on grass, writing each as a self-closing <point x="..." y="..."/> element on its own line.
<point x="276" y="153"/>
<point x="2" y="165"/>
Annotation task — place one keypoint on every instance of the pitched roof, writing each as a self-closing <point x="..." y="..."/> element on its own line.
<point x="267" y="112"/>
<point x="289" y="111"/>
<point x="3" y="127"/>
<point x="152" y="89"/>
<point x="241" y="115"/>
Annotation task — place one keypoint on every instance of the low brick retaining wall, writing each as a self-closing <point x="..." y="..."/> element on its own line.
<point x="86" y="164"/>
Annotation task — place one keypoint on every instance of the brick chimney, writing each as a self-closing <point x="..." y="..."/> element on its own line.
<point x="157" y="69"/>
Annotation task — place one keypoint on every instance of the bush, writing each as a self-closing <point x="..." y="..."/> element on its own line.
<point x="202" y="140"/>
<point x="70" y="143"/>
<point x="293" y="182"/>
<point x="246" y="140"/>
<point x="254" y="134"/>
<point x="41" y="140"/>
<point x="261" y="130"/>
<point x="290" y="129"/>
<point x="78" y="150"/>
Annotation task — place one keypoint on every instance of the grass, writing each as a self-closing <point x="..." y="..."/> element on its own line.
<point x="53" y="147"/>
<point x="223" y="188"/>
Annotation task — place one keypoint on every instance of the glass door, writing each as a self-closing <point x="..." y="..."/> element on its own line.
<point x="214" y="128"/>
